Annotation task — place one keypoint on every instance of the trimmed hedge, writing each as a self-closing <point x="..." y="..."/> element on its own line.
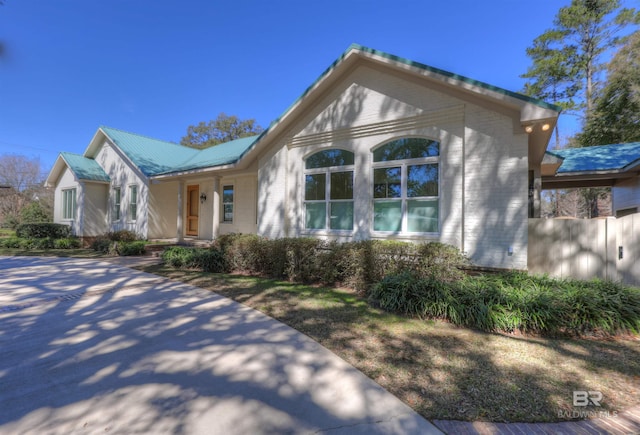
<point x="43" y="230"/>
<point x="42" y="243"/>
<point x="354" y="264"/>
<point x="207" y="260"/>
<point x="515" y="301"/>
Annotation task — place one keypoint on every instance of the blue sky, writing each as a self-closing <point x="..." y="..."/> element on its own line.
<point x="155" y="66"/>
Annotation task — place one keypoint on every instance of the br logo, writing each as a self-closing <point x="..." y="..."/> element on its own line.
<point x="586" y="398"/>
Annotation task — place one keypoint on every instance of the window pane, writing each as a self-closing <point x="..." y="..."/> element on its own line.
<point x="327" y="158"/>
<point x="407" y="148"/>
<point x="422" y="216"/>
<point x="116" y="207"/>
<point x="422" y="180"/>
<point x="133" y="201"/>
<point x="341" y="185"/>
<point x="387" y="215"/>
<point x="228" y="213"/>
<point x="227" y="203"/>
<point x="227" y="194"/>
<point x="341" y="216"/>
<point x="387" y="183"/>
<point x="316" y="216"/>
<point x="315" y="187"/>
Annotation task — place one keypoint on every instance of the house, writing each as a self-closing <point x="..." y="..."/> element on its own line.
<point x="377" y="147"/>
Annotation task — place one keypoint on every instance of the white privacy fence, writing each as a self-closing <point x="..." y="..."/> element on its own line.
<point x="606" y="248"/>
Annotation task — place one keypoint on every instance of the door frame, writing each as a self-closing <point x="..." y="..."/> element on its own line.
<point x="190" y="217"/>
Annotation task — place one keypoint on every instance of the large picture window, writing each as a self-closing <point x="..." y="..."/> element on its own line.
<point x="406" y="186"/>
<point x="69" y="204"/>
<point x="328" y="196"/>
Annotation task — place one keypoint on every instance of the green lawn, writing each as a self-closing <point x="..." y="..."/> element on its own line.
<point x="443" y="371"/>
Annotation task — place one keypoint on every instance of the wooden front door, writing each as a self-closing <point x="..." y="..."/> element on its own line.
<point x="193" y="208"/>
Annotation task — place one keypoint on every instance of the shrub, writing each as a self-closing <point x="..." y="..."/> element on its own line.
<point x="42" y="230"/>
<point x="122" y="236"/>
<point x="208" y="260"/>
<point x="515" y="301"/>
<point x="68" y="243"/>
<point x="35" y="212"/>
<point x="101" y="244"/>
<point x="131" y="248"/>
<point x="11" y="242"/>
<point x="44" y="243"/>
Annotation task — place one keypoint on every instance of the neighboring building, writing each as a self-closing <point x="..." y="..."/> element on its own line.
<point x="616" y="166"/>
<point x="378" y="147"/>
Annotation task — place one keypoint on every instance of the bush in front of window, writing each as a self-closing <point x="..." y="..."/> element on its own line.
<point x="354" y="264"/>
<point x="122" y="236"/>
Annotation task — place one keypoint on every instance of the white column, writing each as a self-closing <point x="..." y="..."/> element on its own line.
<point x="216" y="207"/>
<point x="537" y="189"/>
<point x="180" y="230"/>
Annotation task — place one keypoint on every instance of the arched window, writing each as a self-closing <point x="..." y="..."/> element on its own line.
<point x="328" y="193"/>
<point x="406" y="186"/>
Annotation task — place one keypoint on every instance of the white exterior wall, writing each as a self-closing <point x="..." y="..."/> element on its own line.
<point x="124" y="175"/>
<point x="163" y="210"/>
<point x="483" y="164"/>
<point x="67" y="181"/>
<point x="272" y="188"/>
<point x="626" y="194"/>
<point x="496" y="190"/>
<point x="95" y="209"/>
<point x="244" y="204"/>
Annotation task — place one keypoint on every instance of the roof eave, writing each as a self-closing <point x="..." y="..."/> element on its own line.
<point x="197" y="171"/>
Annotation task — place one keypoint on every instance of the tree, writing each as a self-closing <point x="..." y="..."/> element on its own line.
<point x="616" y="114"/>
<point x="566" y="59"/>
<point x="21" y="183"/>
<point x="222" y="129"/>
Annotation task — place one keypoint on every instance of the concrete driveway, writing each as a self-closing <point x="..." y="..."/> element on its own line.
<point x="93" y="347"/>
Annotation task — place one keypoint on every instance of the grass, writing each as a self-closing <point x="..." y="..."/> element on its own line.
<point x="443" y="371"/>
<point x="6" y="232"/>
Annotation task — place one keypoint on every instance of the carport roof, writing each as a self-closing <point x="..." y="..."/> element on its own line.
<point x="614" y="157"/>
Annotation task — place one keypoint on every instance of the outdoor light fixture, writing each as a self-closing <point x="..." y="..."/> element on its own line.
<point x="528" y="128"/>
<point x="203" y="197"/>
<point x="545" y="127"/>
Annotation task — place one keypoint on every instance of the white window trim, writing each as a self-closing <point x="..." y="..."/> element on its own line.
<point x="403" y="164"/>
<point x="327" y="197"/>
<point x="74" y="206"/>
<point x="129" y="203"/>
<point x="233" y="204"/>
<point x="119" y="206"/>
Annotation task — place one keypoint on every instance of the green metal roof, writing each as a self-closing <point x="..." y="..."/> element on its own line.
<point x="614" y="157"/>
<point x="155" y="157"/>
<point x="85" y="168"/>
<point x="464" y="79"/>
